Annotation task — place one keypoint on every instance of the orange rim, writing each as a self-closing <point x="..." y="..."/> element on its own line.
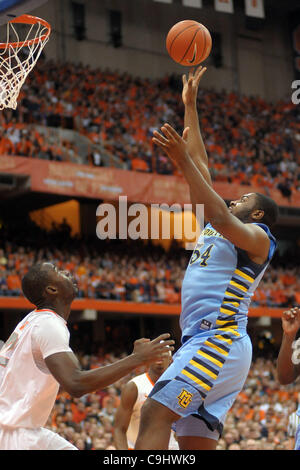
<point x="27" y="19"/>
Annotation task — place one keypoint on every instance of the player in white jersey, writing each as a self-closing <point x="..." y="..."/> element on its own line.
<point x="133" y="396"/>
<point x="37" y="359"/>
<point x="288" y="361"/>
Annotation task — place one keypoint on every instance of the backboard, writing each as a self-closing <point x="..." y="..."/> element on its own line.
<point x="11" y="8"/>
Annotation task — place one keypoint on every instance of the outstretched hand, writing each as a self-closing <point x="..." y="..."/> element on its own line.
<point x="172" y="143"/>
<point x="151" y="351"/>
<point x="191" y="84"/>
<point x="291" y="321"/>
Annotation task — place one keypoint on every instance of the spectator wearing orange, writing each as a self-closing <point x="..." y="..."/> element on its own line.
<point x="79" y="411"/>
<point x="14" y="283"/>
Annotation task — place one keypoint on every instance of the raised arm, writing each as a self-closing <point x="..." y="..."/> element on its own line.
<point x="195" y="144"/>
<point x="65" y="367"/>
<point x="123" y="415"/>
<point x="287" y="370"/>
<point x="248" y="237"/>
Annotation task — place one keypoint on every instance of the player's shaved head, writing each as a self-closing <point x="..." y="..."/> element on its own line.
<point x="35" y="282"/>
<point x="44" y="283"/>
<point x="270" y="208"/>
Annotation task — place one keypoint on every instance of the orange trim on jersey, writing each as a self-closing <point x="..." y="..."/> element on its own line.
<point x="23" y="326"/>
<point x="51" y="311"/>
<point x="45" y="310"/>
<point x="149" y="378"/>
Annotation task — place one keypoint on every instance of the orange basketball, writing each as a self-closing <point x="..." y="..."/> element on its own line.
<point x="188" y="42"/>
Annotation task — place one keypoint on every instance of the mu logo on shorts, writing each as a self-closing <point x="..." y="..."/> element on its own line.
<point x="185" y="398"/>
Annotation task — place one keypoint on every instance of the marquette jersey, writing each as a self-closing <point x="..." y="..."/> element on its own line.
<point x="27" y="388"/>
<point x="218" y="285"/>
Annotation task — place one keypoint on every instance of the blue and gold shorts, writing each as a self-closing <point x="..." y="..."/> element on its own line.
<point x="207" y="373"/>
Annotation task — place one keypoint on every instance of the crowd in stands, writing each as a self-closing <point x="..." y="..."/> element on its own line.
<point x="248" y="140"/>
<point x="105" y="270"/>
<point x="18" y="138"/>
<point x="123" y="277"/>
<point x="260" y="417"/>
<point x="258" y="420"/>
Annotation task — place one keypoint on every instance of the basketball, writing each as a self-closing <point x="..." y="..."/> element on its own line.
<point x="188" y="43"/>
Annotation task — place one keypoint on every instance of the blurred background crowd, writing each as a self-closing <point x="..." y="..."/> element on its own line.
<point x="262" y="418"/>
<point x="117" y="113"/>
<point x="106" y="270"/>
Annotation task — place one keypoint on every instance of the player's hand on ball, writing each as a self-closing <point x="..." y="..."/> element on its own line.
<point x="172" y="143"/>
<point x="151" y="351"/>
<point x="291" y="321"/>
<point x="191" y="84"/>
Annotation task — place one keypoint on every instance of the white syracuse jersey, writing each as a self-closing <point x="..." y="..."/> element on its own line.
<point x="27" y="388"/>
<point x="144" y="386"/>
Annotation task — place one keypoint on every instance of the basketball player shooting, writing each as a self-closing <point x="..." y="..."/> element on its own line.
<point x="228" y="262"/>
<point x="37" y="359"/>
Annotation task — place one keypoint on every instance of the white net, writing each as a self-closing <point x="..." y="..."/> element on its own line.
<point x="18" y="55"/>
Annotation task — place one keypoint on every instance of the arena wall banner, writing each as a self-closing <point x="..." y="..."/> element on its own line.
<point x="75" y="180"/>
<point x="225" y="6"/>
<point x="192" y="3"/>
<point x="255" y="8"/>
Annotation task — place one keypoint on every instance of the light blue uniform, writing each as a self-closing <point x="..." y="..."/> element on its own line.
<point x="210" y="368"/>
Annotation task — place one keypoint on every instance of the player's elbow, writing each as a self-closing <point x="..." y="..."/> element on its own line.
<point x="75" y="386"/>
<point x="74" y="390"/>
<point x="76" y="393"/>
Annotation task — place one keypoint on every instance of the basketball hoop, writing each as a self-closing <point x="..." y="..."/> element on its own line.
<point x="18" y="55"/>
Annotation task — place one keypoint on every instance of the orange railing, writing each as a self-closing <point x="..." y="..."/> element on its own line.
<point x="138" y="308"/>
